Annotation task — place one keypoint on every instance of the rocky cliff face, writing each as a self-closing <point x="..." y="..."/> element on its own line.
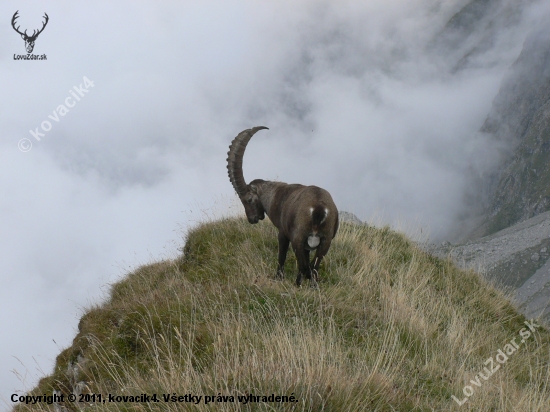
<point x="475" y="29"/>
<point x="520" y="119"/>
<point x="512" y="244"/>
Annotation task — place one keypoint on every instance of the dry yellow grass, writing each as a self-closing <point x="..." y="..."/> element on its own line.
<point x="391" y="328"/>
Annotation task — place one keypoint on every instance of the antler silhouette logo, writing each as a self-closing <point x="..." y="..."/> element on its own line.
<point x="29" y="40"/>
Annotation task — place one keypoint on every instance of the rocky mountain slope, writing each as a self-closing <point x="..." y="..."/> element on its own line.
<point x="476" y="28"/>
<point x="516" y="258"/>
<point x="512" y="242"/>
<point x="520" y="119"/>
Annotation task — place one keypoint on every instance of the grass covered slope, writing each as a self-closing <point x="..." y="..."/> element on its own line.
<point x="391" y="328"/>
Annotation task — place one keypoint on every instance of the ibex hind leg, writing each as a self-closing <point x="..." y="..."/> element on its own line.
<point x="315" y="266"/>
<point x="312" y="273"/>
<point x="314" y="281"/>
<point x="283" y="249"/>
<point x="319" y="254"/>
<point x="302" y="256"/>
<point x="307" y="272"/>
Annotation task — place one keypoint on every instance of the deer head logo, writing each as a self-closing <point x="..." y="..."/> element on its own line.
<point x="29" y="40"/>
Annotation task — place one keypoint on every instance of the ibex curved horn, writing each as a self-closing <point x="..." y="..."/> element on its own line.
<point x="235" y="159"/>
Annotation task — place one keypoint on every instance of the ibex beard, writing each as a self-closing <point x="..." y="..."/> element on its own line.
<point x="305" y="216"/>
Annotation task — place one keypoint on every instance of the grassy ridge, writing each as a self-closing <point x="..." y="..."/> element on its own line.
<point x="391" y="328"/>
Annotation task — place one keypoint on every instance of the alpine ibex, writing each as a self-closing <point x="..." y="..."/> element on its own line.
<point x="305" y="216"/>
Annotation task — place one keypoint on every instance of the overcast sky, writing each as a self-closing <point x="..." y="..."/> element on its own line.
<point x="355" y="101"/>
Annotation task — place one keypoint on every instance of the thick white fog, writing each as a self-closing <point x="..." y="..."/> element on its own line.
<point x="365" y="99"/>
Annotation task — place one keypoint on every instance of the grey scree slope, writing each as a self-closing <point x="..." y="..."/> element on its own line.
<point x="515" y="257"/>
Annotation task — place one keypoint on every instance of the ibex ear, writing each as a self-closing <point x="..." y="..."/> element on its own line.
<point x="254" y="189"/>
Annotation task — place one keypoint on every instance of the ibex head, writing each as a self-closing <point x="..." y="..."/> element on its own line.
<point x="29" y="40"/>
<point x="247" y="193"/>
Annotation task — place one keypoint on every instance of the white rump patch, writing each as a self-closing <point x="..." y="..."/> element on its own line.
<point x="313" y="241"/>
<point x="311" y="211"/>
